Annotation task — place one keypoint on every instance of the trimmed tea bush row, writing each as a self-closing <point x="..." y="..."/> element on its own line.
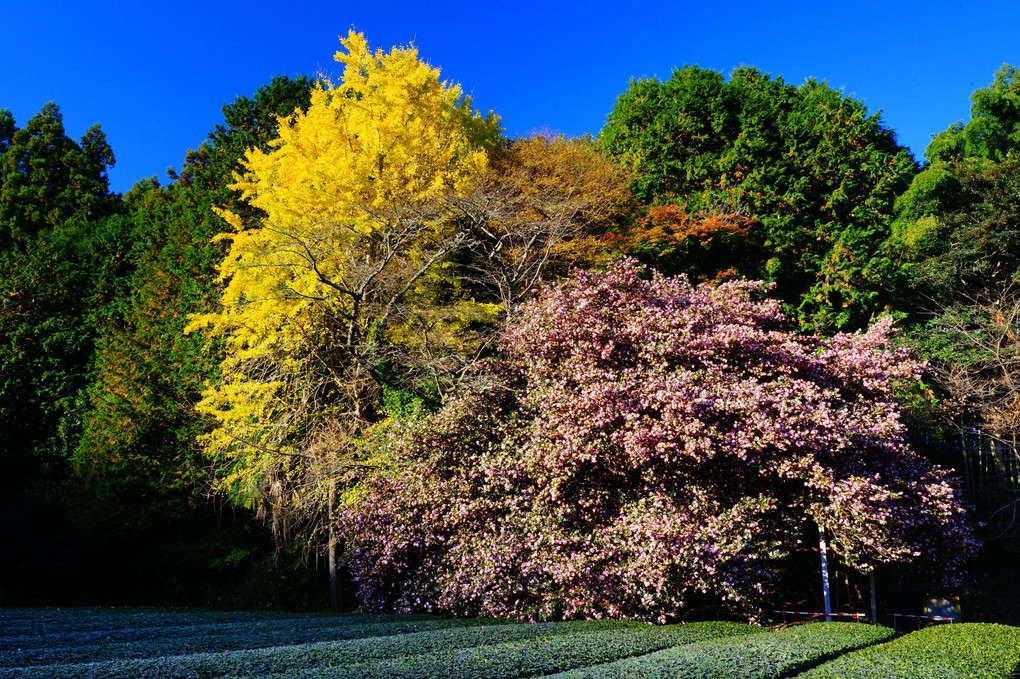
<point x="527" y="658"/>
<point x="115" y="643"/>
<point x="73" y="620"/>
<point x="92" y="628"/>
<point x="279" y="658"/>
<point x="960" y="651"/>
<point x="151" y="642"/>
<point x="768" y="655"/>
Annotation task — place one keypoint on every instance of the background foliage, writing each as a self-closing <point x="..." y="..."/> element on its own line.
<point x="808" y="174"/>
<point x="365" y="259"/>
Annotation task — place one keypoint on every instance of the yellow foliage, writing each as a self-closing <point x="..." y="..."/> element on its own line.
<point x="391" y="131"/>
<point x="354" y="193"/>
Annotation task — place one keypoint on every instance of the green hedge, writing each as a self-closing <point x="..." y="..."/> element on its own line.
<point x="34" y="621"/>
<point x="260" y="661"/>
<point x="769" y="655"/>
<point x="155" y="641"/>
<point x="20" y="626"/>
<point x="114" y="644"/>
<point x="527" y="658"/>
<point x="957" y="651"/>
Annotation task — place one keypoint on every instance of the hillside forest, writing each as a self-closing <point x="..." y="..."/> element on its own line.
<point x="363" y="350"/>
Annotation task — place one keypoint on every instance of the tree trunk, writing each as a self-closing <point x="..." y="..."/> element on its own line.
<point x="334" y="586"/>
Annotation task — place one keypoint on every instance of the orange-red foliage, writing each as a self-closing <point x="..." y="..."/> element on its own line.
<point x="706" y="246"/>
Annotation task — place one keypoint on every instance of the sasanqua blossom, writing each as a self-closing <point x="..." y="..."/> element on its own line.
<point x="645" y="443"/>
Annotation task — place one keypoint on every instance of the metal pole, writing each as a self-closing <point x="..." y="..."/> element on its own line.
<point x="874" y="606"/>
<point x="825" y="573"/>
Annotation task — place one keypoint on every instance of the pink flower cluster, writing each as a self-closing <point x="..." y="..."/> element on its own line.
<point x="645" y="444"/>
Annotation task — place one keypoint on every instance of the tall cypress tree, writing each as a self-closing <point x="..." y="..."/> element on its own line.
<point x="62" y="254"/>
<point x="57" y="259"/>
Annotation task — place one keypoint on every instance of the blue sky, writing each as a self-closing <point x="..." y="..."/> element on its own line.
<point x="156" y="75"/>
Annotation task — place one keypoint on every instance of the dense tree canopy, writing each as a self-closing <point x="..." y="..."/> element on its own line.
<point x="957" y="223"/>
<point x="994" y="127"/>
<point x="142" y="478"/>
<point x="959" y="228"/>
<point x="958" y="237"/>
<point x="810" y="171"/>
<point x="342" y="312"/>
<point x="648" y="444"/>
<point x="99" y="381"/>
<point x="63" y="262"/>
<point x="60" y="256"/>
<point x="137" y="451"/>
<point x="46" y="177"/>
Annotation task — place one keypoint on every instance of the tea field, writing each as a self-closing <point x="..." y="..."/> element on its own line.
<point x="179" y="644"/>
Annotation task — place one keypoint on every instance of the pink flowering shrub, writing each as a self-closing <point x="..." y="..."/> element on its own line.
<point x="646" y="443"/>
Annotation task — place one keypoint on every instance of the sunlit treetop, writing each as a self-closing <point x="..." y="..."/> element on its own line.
<point x="373" y="151"/>
<point x="390" y="131"/>
<point x="994" y="128"/>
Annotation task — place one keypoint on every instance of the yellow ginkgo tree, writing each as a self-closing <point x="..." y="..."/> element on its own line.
<point x="358" y="223"/>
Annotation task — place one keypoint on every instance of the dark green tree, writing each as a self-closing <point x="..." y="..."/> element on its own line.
<point x="149" y="372"/>
<point x="53" y="297"/>
<point x="959" y="229"/>
<point x="46" y="177"/>
<point x="956" y="225"/>
<point x="956" y="232"/>
<point x="7" y="127"/>
<point x="811" y="172"/>
<point x="957" y="235"/>
<point x="63" y="258"/>
<point x="994" y="126"/>
<point x="144" y="477"/>
<point x="59" y="257"/>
